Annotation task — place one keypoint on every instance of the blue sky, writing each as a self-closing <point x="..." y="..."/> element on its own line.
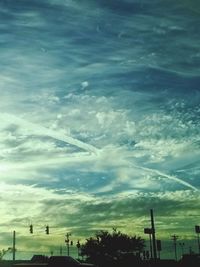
<point x="99" y="110"/>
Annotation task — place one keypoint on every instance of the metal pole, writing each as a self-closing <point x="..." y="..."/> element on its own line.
<point x="158" y="254"/>
<point x="78" y="245"/>
<point x="67" y="249"/>
<point x="175" y="251"/>
<point x="60" y="250"/>
<point x="150" y="244"/>
<point x="197" y="230"/>
<point x="182" y="248"/>
<point x="14" y="243"/>
<point x="174" y="238"/>
<point x="67" y="242"/>
<point x="153" y="235"/>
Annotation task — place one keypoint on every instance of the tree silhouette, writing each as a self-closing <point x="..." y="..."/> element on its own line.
<point x="4" y="251"/>
<point x="108" y="247"/>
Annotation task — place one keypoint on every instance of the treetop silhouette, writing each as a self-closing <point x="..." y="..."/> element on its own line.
<point x="106" y="246"/>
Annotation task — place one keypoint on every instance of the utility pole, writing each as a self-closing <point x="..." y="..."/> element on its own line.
<point x="78" y="245"/>
<point x="159" y="247"/>
<point x="197" y="230"/>
<point x="174" y="239"/>
<point x="153" y="235"/>
<point x="60" y="250"/>
<point x="149" y="232"/>
<point x="67" y="242"/>
<point x="14" y="244"/>
<point x="182" y="244"/>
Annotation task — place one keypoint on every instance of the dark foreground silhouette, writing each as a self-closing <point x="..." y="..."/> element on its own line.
<point x="129" y="261"/>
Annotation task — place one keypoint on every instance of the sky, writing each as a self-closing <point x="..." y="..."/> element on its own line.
<point x="100" y="120"/>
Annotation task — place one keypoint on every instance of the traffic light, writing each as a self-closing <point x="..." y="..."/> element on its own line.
<point x="31" y="228"/>
<point x="197" y="229"/>
<point x="47" y="230"/>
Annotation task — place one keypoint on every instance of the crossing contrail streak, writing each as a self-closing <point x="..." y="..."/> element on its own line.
<point x="170" y="177"/>
<point x="40" y="130"/>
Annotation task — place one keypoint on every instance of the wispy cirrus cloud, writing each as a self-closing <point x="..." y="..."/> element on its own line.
<point x="98" y="123"/>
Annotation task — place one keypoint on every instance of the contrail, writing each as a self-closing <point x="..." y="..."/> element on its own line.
<point x="170" y="177"/>
<point x="51" y="162"/>
<point x="40" y="130"/>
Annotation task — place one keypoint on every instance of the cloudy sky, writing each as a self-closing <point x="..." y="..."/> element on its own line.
<point x="100" y="119"/>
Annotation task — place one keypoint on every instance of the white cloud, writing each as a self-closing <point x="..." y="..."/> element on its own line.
<point x="40" y="130"/>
